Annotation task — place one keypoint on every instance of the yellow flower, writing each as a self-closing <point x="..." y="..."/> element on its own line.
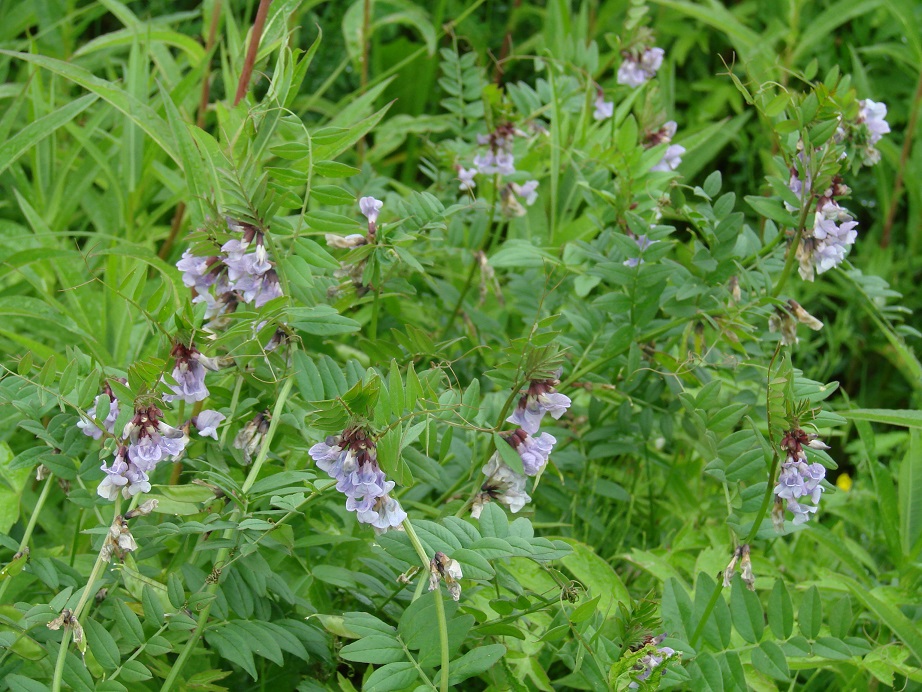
<point x="844" y="482"/>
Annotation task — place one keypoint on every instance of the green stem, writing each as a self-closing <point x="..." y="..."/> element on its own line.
<point x="439" y="606"/>
<point x="443" y="638"/>
<point x="30" y="527"/>
<point x="78" y="610"/>
<point x="706" y="614"/>
<point x="792" y="250"/>
<point x="228" y="534"/>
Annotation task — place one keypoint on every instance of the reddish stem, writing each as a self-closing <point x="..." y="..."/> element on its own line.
<point x="252" y="49"/>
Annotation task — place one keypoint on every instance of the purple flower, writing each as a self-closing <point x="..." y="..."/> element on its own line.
<point x="829" y="242"/>
<point x="527" y="191"/>
<point x="505" y="163"/>
<point x="88" y="425"/>
<point x="351" y="460"/>
<point x="189" y="373"/>
<point x="873" y="115"/>
<point x="799" y="480"/>
<point x="534" y="451"/>
<point x="369" y="206"/>
<point x="122" y="476"/>
<point x="540" y="398"/>
<point x="466" y="178"/>
<point x="643" y="242"/>
<point x="196" y="271"/>
<point x="485" y="163"/>
<point x="603" y="109"/>
<point x="637" y="70"/>
<point x="251" y="264"/>
<point x="652" y="660"/>
<point x="671" y="159"/>
<point x="206" y="422"/>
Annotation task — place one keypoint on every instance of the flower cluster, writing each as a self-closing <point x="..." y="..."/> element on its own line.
<point x="798" y="479"/>
<point x="652" y="660"/>
<point x="88" y="424"/>
<point x="150" y="441"/>
<point x="351" y="459"/>
<point x="505" y="485"/>
<point x="497" y="159"/>
<point x="872" y="116"/>
<point x="241" y="273"/>
<point x="827" y="244"/>
<point x="785" y="320"/>
<point x="639" y="67"/>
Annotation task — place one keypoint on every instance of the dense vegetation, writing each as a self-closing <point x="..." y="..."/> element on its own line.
<point x="388" y="345"/>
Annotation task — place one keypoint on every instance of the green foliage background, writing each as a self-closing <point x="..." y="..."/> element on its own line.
<point x="110" y="168"/>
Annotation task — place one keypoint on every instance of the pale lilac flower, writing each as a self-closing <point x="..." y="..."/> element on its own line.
<point x="505" y="163"/>
<point x="527" y="191"/>
<point x="643" y="242"/>
<point x="196" y="271"/>
<point x="635" y="71"/>
<point x="828" y="243"/>
<point x="603" y="109"/>
<point x="873" y="115"/>
<point x="466" y="178"/>
<point x="123" y="476"/>
<point x="540" y="398"/>
<point x="485" y="163"/>
<point x="88" y="425"/>
<point x="351" y="460"/>
<point x="671" y="158"/>
<point x="189" y="374"/>
<point x="503" y="485"/>
<point x="206" y="422"/>
<point x="250" y="264"/>
<point x="798" y="480"/>
<point x="369" y="206"/>
<point x="534" y="451"/>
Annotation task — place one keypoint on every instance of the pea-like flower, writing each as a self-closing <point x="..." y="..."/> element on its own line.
<point x="251" y="436"/>
<point x="151" y="440"/>
<point x="827" y="244"/>
<point x="672" y="158"/>
<point x="443" y="567"/>
<point x="534" y="451"/>
<point x="603" y="109"/>
<point x="88" y="424"/>
<point x="466" y="178"/>
<point x="637" y="69"/>
<point x="122" y="476"/>
<point x="207" y="421"/>
<point x="799" y="480"/>
<point x="540" y="398"/>
<point x="652" y="660"/>
<point x="189" y="373"/>
<point x="351" y="460"/>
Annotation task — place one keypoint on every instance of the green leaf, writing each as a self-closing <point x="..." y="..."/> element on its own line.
<point x="476" y="661"/>
<point x="769" y="659"/>
<point x="810" y="614"/>
<point x="134" y="671"/>
<point x="310" y="384"/>
<point x="393" y="676"/>
<point x="34" y="132"/>
<point x="128" y="624"/>
<point x="910" y="491"/>
<point x="509" y="456"/>
<point x="493" y="521"/>
<point x="141" y="114"/>
<point x="597" y="575"/>
<point x="377" y="649"/>
<point x="904" y="418"/>
<point x="780" y="611"/>
<point x="102" y="644"/>
<point x="748" y="618"/>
